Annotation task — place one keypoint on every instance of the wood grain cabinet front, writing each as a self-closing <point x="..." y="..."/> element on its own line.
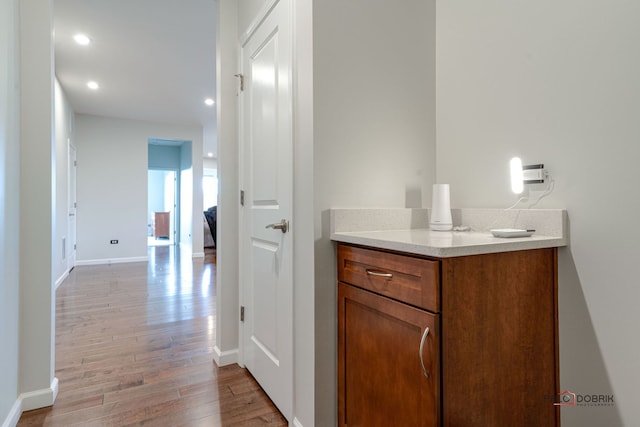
<point x="383" y="346"/>
<point x="454" y="342"/>
<point x="412" y="280"/>
<point x="161" y="225"/>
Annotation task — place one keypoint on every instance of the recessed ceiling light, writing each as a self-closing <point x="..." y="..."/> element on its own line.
<point x="210" y="154"/>
<point x="209" y="102"/>
<point x="93" y="85"/>
<point x="82" y="39"/>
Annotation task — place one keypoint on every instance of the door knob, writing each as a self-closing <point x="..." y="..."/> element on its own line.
<point x="282" y="226"/>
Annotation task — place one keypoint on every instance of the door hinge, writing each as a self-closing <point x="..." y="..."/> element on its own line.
<point x="75" y="247"/>
<point x="241" y="77"/>
<point x="242" y="313"/>
<point x="75" y="163"/>
<point x="241" y="197"/>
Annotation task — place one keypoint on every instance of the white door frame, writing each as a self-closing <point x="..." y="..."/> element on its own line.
<point x="265" y="11"/>
<point x="72" y="210"/>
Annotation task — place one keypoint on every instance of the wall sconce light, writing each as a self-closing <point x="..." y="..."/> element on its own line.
<point x="517" y="186"/>
<point x="527" y="174"/>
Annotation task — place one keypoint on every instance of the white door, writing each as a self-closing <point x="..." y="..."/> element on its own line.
<point x="267" y="170"/>
<point x="71" y="243"/>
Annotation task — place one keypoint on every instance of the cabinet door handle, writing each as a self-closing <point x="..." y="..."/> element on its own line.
<point x="424" y="338"/>
<point x="378" y="274"/>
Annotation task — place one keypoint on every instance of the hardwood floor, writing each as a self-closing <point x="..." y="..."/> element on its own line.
<point x="134" y="346"/>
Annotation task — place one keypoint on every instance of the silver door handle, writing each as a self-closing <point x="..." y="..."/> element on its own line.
<point x="72" y="214"/>
<point x="282" y="226"/>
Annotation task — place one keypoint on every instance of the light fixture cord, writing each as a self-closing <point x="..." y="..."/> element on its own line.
<point x="521" y="199"/>
<point x="549" y="190"/>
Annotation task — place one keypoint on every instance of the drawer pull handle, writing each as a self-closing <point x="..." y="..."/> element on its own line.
<point x="424" y="338"/>
<point x="378" y="274"/>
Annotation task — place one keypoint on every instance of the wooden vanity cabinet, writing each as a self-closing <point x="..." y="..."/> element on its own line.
<point x="490" y="355"/>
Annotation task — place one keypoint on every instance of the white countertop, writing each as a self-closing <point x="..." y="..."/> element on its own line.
<point x="444" y="244"/>
<point x="405" y="230"/>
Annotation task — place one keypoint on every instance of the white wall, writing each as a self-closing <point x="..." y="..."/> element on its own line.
<point x="227" y="302"/>
<point x="9" y="207"/>
<point x="303" y="214"/>
<point x="64" y="119"/>
<point x="112" y="185"/>
<point x="557" y="82"/>
<point x="374" y="135"/>
<point x="37" y="204"/>
<point x="210" y="139"/>
<point x="187" y="196"/>
<point x="210" y="163"/>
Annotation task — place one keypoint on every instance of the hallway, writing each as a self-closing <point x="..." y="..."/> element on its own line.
<point x="134" y="346"/>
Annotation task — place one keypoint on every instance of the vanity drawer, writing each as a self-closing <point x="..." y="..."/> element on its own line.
<point x="415" y="281"/>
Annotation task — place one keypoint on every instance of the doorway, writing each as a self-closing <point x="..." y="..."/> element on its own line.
<point x="70" y="243"/>
<point x="266" y="241"/>
<point x="162" y="207"/>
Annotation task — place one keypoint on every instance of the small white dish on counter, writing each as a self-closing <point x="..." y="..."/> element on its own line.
<point x="511" y="232"/>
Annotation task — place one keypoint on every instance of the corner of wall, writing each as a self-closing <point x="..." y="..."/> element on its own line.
<point x="40" y="398"/>
<point x="10" y="408"/>
<point x="227" y="335"/>
<point x="225" y="358"/>
<point x="14" y="414"/>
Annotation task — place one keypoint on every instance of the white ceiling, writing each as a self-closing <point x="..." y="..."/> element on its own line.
<point x="154" y="59"/>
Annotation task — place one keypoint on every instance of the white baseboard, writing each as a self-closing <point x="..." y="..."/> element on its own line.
<point x="62" y="278"/>
<point x="39" y="398"/>
<point x="297" y="423"/>
<point x="224" y="358"/>
<point x="198" y="255"/>
<point x="14" y="415"/>
<point x="85" y="262"/>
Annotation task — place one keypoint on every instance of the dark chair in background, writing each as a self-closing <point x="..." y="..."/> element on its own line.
<point x="210" y="215"/>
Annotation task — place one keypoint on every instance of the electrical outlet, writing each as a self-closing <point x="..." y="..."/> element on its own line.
<point x="114" y="242"/>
